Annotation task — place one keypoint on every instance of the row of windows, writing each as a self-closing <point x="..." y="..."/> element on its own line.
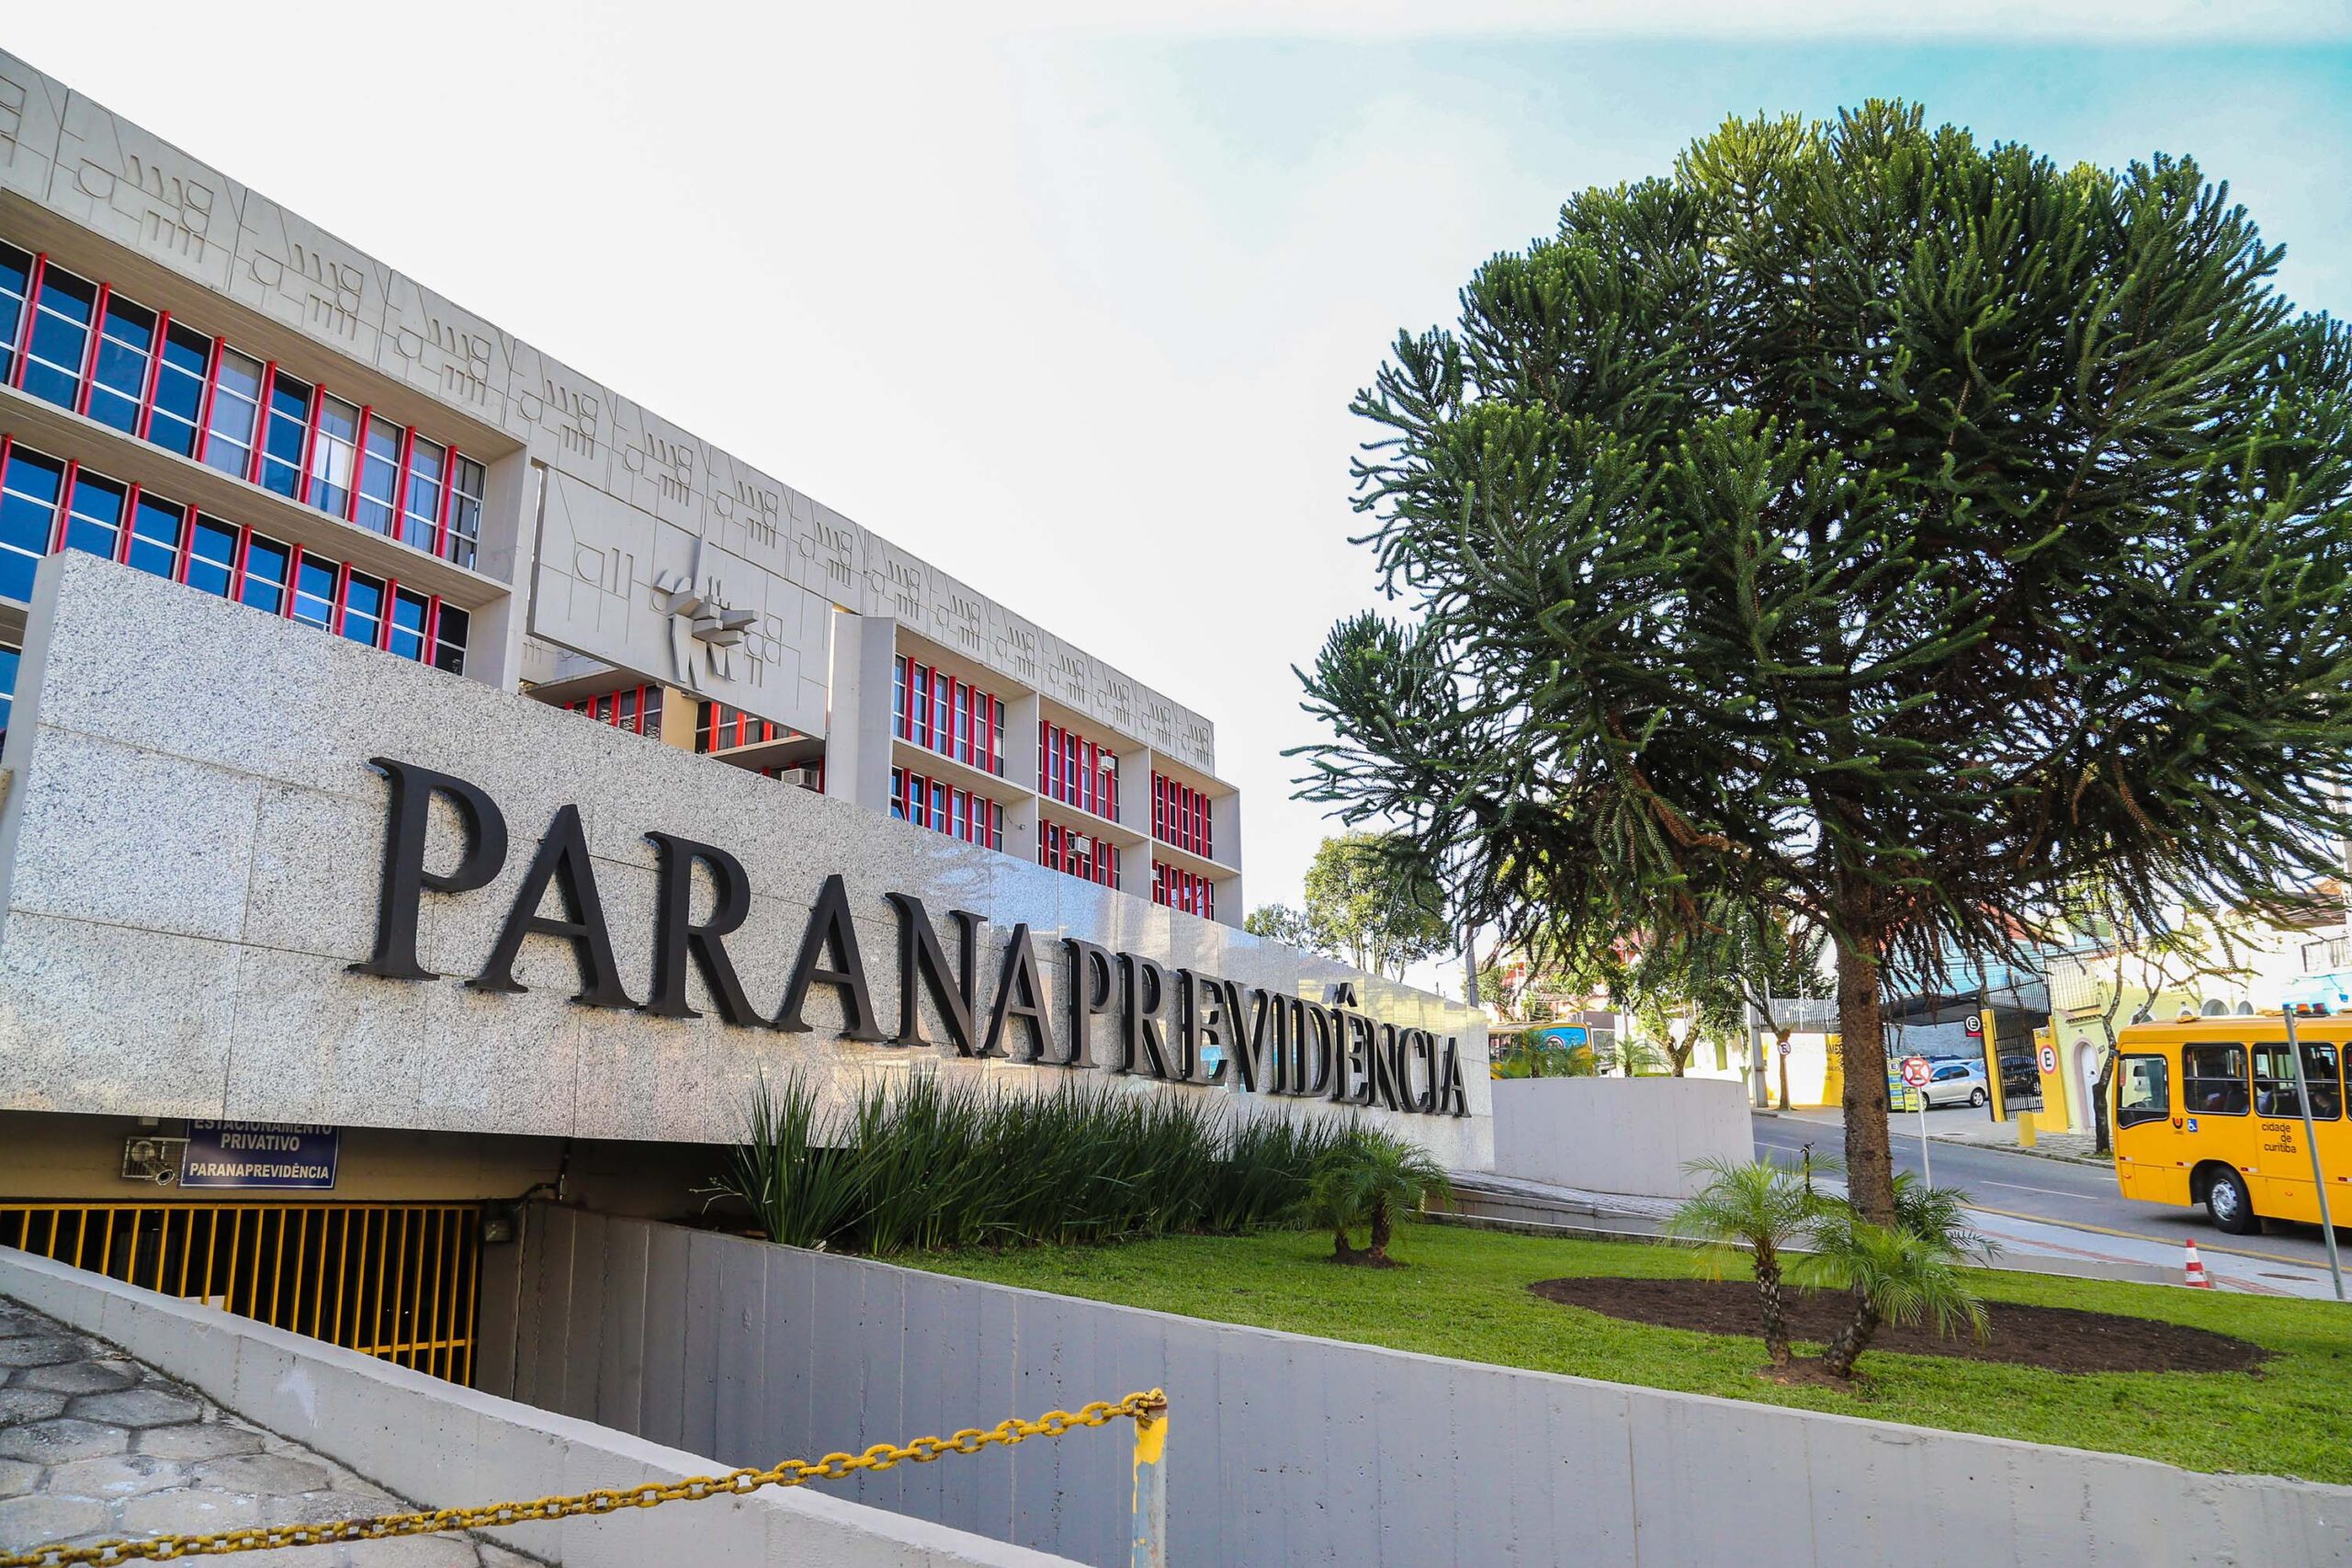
<point x="2215" y="1082"/>
<point x="82" y="347"/>
<point x="1080" y="854"/>
<point x="48" y="505"/>
<point x="1180" y="815"/>
<point x="719" y="728"/>
<point x="637" y="709"/>
<point x="954" y="718"/>
<point x="1183" y="890"/>
<point x="1076" y="771"/>
<point x="939" y="806"/>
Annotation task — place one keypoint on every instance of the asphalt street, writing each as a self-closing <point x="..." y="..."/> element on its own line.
<point x="2082" y="1197"/>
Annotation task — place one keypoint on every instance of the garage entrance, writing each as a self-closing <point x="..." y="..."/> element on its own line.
<point x="397" y="1280"/>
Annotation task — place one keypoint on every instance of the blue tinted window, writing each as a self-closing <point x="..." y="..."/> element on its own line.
<point x="179" y="391"/>
<point x="155" y="535"/>
<point x="408" y="623"/>
<point x="29" y="494"/>
<point x="363" y="609"/>
<point x="264" y="584"/>
<point x="212" y="551"/>
<point x="126" y="344"/>
<point x="94" y="523"/>
<point x="314" y="593"/>
<point x="61" y="337"/>
<point x="9" y="658"/>
<point x="290" y="422"/>
<point x="16" y="275"/>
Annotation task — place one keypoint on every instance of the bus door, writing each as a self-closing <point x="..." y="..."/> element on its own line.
<point x="2151" y="1163"/>
<point x="2284" y="1188"/>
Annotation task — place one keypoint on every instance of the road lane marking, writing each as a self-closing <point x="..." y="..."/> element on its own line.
<point x="2143" y="1237"/>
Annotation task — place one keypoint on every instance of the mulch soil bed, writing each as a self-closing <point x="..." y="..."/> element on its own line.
<point x="2061" y="1339"/>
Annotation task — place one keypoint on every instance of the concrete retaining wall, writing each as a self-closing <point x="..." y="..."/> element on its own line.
<point x="442" y="1446"/>
<point x="1288" y="1449"/>
<point x="1618" y="1135"/>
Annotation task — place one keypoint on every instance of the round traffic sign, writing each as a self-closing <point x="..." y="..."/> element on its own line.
<point x="1915" y="1071"/>
<point x="2049" y="1058"/>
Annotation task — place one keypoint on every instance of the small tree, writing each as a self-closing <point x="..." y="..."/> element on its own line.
<point x="1901" y="1273"/>
<point x="1291" y="926"/>
<point x="1756" y="1206"/>
<point x="1871" y="520"/>
<point x="1775" y="957"/>
<point x="1371" y="901"/>
<point x="1367" y="1180"/>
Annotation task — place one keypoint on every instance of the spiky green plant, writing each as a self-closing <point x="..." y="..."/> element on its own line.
<point x="1366" y="1181"/>
<point x="1896" y="1276"/>
<point x="1754" y="1209"/>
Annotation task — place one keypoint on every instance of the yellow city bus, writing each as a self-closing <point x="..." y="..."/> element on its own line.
<point x="2204" y="1111"/>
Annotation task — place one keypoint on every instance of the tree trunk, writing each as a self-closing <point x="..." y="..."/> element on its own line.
<point x="1776" y="1318"/>
<point x="1870" y="1168"/>
<point x="1853" y="1339"/>
<point x="2099" y="1085"/>
<point x="1339" y="1247"/>
<point x="1380" y="1228"/>
<point x="1780" y="1050"/>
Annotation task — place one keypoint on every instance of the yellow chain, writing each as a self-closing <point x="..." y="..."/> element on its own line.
<point x="694" y="1489"/>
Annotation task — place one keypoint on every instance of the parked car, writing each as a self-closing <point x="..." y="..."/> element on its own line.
<point x="1956" y="1083"/>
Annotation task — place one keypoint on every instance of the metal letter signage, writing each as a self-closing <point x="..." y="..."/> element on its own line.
<point x="1180" y="1026"/>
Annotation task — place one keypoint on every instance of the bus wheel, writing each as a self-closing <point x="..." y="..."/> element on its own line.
<point x="2228" y="1201"/>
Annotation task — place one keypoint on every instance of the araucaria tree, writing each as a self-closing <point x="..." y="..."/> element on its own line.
<point x="1871" y="521"/>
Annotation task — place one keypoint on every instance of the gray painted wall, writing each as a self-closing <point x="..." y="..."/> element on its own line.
<point x="1618" y="1134"/>
<point x="444" y="1447"/>
<point x="1287" y="1450"/>
<point x="190" y="858"/>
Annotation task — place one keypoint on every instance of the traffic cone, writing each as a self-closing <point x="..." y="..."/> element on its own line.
<point x="2197" y="1268"/>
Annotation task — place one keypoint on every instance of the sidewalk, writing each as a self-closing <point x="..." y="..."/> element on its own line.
<point x="1974" y="1130"/>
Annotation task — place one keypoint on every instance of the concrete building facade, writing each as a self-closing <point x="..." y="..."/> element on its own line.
<point x="200" y="383"/>
<point x="431" y="779"/>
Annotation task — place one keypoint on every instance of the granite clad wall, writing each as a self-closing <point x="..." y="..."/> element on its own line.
<point x="191" y="847"/>
<point x="1293" y="1451"/>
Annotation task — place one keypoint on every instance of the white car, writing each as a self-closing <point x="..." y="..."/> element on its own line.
<point x="1956" y="1083"/>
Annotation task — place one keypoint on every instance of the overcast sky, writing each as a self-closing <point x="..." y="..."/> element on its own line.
<point x="1075" y="311"/>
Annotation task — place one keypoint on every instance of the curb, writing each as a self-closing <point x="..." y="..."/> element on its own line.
<point x="2097" y="1162"/>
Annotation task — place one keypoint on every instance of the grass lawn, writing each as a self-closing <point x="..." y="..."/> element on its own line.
<point x="1466" y="1295"/>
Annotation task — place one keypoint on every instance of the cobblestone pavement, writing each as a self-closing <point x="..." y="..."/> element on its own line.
<point x="95" y="1446"/>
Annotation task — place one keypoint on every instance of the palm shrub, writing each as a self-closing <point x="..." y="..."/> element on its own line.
<point x="1899" y="1274"/>
<point x="1756" y="1206"/>
<point x="1364" y="1180"/>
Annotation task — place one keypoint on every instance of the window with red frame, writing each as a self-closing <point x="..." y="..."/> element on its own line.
<point x="48" y="505"/>
<point x="719" y="728"/>
<point x="1080" y="854"/>
<point x="1180" y="815"/>
<point x="941" y="807"/>
<point x="80" y="345"/>
<point x="934" y="710"/>
<point x="637" y="709"/>
<point x="1183" y="890"/>
<point x="1077" y="771"/>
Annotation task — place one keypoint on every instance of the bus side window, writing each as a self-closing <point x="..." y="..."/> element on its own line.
<point x="2274" y="1081"/>
<point x="2144" y="1091"/>
<point x="2212" y="1080"/>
